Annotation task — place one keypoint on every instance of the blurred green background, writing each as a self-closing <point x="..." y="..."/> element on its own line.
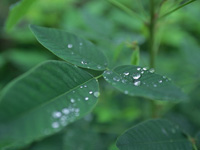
<point x="113" y="31"/>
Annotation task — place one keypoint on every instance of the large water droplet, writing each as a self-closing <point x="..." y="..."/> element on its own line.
<point x="69" y="45"/>
<point x="137" y="76"/>
<point x="96" y="94"/>
<point x="137" y="83"/>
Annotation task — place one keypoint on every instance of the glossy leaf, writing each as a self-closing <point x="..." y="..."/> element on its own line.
<point x="137" y="81"/>
<point x="71" y="48"/>
<point x="154" y="135"/>
<point x="17" y="11"/>
<point x="44" y="100"/>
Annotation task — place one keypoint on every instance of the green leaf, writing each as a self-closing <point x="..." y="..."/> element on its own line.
<point x="44" y="100"/>
<point x="137" y="81"/>
<point x="154" y="135"/>
<point x="17" y="11"/>
<point x="71" y="48"/>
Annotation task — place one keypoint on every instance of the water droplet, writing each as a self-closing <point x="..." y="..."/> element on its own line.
<point x="69" y="45"/>
<point x="124" y="81"/>
<point x="137" y="76"/>
<point x="108" y="72"/>
<point x="83" y="62"/>
<point x="96" y="94"/>
<point x="164" y="77"/>
<point x="90" y="92"/>
<point x="116" y="79"/>
<point x="65" y="111"/>
<point x="137" y="83"/>
<point x="142" y="72"/>
<point x="126" y="73"/>
<point x="173" y="130"/>
<point x="81" y="43"/>
<point x="138" y="69"/>
<point x="87" y="98"/>
<point x="81" y="86"/>
<point x="164" y="131"/>
<point x="155" y="85"/>
<point x="160" y="81"/>
<point x="77" y="110"/>
<point x="144" y="68"/>
<point x="72" y="100"/>
<point x="152" y="70"/>
<point x="125" y="92"/>
<point x="55" y="125"/>
<point x="73" y="91"/>
<point x="57" y="114"/>
<point x="98" y="66"/>
<point x="85" y="86"/>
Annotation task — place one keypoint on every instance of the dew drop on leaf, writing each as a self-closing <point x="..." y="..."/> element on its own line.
<point x="137" y="83"/>
<point x="69" y="45"/>
<point x="137" y="76"/>
<point x="55" y="125"/>
<point x="96" y="94"/>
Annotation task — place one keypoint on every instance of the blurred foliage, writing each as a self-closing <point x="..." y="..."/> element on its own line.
<point x="111" y="29"/>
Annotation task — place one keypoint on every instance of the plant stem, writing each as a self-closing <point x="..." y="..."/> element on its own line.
<point x="152" y="25"/>
<point x="173" y="10"/>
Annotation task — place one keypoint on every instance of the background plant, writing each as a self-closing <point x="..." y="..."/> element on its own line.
<point x="138" y="31"/>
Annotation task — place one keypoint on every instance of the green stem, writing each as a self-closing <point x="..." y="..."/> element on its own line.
<point x="152" y="34"/>
<point x="125" y="9"/>
<point x="173" y="10"/>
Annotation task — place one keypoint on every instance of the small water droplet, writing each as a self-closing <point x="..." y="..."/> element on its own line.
<point x="55" y="125"/>
<point x="69" y="45"/>
<point x="151" y="70"/>
<point x="173" y="130"/>
<point x="90" y="92"/>
<point x="126" y="73"/>
<point x="77" y="110"/>
<point x="87" y="98"/>
<point x="85" y="86"/>
<point x="73" y="91"/>
<point x="57" y="114"/>
<point x="81" y="86"/>
<point x="81" y="43"/>
<point x="138" y="69"/>
<point x="137" y="76"/>
<point x="125" y="92"/>
<point x="160" y="81"/>
<point x="142" y="72"/>
<point x="137" y="83"/>
<point x="65" y="111"/>
<point x="98" y="66"/>
<point x="164" y="77"/>
<point x="108" y="72"/>
<point x="96" y="94"/>
<point x="116" y="79"/>
<point x="72" y="100"/>
<point x="124" y="81"/>
<point x="144" y="68"/>
<point x="155" y="85"/>
<point x="164" y="131"/>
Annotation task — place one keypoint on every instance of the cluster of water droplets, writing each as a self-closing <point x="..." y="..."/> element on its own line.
<point x="134" y="78"/>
